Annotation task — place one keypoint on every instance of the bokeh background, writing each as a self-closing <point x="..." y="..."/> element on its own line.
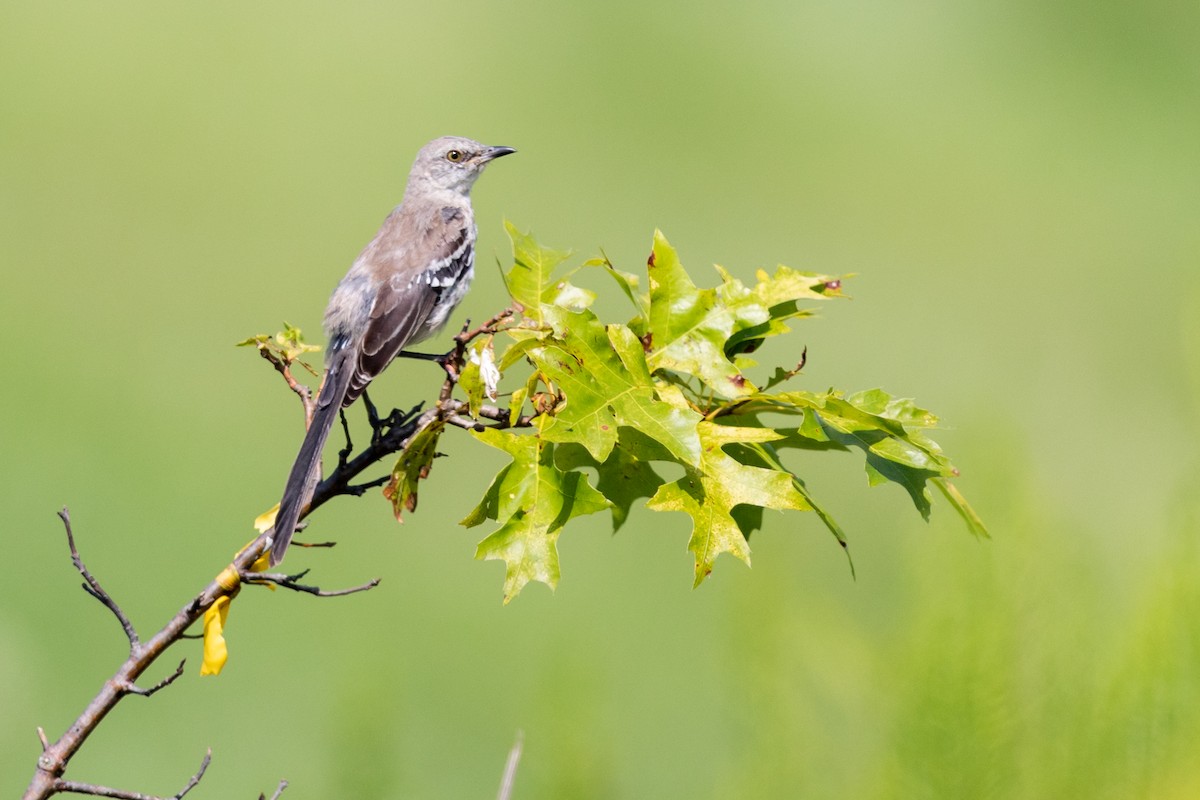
<point x="1017" y="188"/>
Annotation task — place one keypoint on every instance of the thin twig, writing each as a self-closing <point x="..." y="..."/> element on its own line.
<point x="196" y="778"/>
<point x="315" y="544"/>
<point x="95" y="790"/>
<point x="359" y="489"/>
<point x="454" y="360"/>
<point x="303" y="392"/>
<point x="164" y="683"/>
<point x="465" y="336"/>
<point x="289" y="582"/>
<point x="510" y="768"/>
<point x="466" y="423"/>
<point x="502" y="415"/>
<point x="278" y="791"/>
<point x="92" y="586"/>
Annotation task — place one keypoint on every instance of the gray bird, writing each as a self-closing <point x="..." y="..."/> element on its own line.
<point x="400" y="290"/>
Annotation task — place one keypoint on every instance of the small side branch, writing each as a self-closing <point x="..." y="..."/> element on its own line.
<point x="94" y="790"/>
<point x="510" y="768"/>
<point x="291" y="582"/>
<point x="284" y="368"/>
<point x="92" y="586"/>
<point x="466" y="335"/>
<point x="359" y="489"/>
<point x="164" y="683"/>
<point x="278" y="791"/>
<point x="453" y="361"/>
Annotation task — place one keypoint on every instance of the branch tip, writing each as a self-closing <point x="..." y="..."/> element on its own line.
<point x="95" y="790"/>
<point x="278" y="791"/>
<point x="164" y="683"/>
<point x="195" y="779"/>
<point x="290" y="582"/>
<point x="92" y="586"/>
<point x="510" y="767"/>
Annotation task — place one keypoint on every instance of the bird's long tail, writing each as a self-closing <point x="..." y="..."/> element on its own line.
<point x="306" y="470"/>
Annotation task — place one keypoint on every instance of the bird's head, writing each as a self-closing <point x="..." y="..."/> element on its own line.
<point x="452" y="163"/>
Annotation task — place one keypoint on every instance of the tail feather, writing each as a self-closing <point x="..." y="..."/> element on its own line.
<point x="305" y="472"/>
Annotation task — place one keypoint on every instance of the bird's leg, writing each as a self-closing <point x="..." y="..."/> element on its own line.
<point x="377" y="424"/>
<point x="372" y="414"/>
<point x="438" y="357"/>
<point x="443" y="359"/>
<point x="344" y="453"/>
<point x="447" y="361"/>
<point x="398" y="417"/>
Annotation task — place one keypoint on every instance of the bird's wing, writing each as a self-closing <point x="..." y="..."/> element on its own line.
<point x="406" y="300"/>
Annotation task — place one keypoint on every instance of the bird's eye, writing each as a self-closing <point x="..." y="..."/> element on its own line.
<point x="455" y="156"/>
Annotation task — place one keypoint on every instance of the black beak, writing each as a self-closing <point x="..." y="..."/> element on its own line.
<point x="496" y="152"/>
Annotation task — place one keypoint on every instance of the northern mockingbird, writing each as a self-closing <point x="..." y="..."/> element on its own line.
<point x="399" y="290"/>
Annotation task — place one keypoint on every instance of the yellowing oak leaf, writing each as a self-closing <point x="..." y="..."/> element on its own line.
<point x="532" y="281"/>
<point x="532" y="499"/>
<point x="412" y="467"/>
<point x="710" y="493"/>
<point x="700" y="331"/>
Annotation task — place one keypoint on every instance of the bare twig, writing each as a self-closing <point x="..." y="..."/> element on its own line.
<point x="453" y="361"/>
<point x="278" y="791"/>
<point x="191" y="784"/>
<point x="502" y="416"/>
<point x="359" y="489"/>
<point x="52" y="763"/>
<point x="290" y="582"/>
<point x="466" y="335"/>
<point x="92" y="586"/>
<point x="303" y="392"/>
<point x="510" y="768"/>
<point x="325" y="545"/>
<point x="94" y="790"/>
<point x="466" y="423"/>
<point x="165" y="682"/>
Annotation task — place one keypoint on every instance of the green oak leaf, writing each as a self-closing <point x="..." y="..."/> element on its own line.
<point x="627" y="281"/>
<point x="286" y="347"/>
<point x="710" y="493"/>
<point x="532" y="499"/>
<point x="888" y="430"/>
<point x="623" y="477"/>
<point x="700" y="331"/>
<point x="533" y="281"/>
<point x="616" y="398"/>
<point x="603" y="376"/>
<point x="764" y="454"/>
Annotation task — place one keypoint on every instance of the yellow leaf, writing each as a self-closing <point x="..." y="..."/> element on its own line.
<point x="215" y="651"/>
<point x="262" y="522"/>
<point x="261" y="564"/>
<point x="266" y="519"/>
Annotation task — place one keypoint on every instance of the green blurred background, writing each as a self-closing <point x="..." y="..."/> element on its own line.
<point x="1017" y="187"/>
